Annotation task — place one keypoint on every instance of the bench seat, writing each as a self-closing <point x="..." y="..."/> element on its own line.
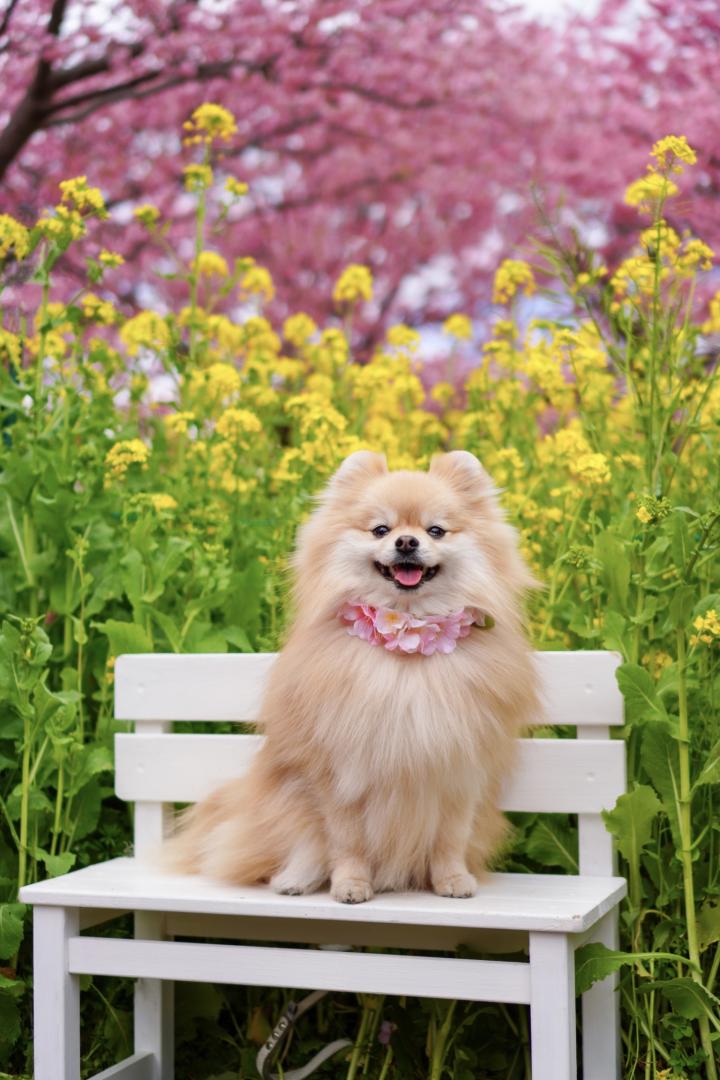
<point x="551" y="902"/>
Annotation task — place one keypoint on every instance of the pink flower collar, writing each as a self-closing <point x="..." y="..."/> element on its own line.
<point x="398" y="630"/>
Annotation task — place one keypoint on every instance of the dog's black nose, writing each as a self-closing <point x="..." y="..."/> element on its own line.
<point x="407" y="543"/>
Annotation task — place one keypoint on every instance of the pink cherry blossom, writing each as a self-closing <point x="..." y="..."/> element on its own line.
<point x="406" y="137"/>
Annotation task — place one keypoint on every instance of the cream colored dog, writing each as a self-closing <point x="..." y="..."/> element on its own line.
<point x="390" y="715"/>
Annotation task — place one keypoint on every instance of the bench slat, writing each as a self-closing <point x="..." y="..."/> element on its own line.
<point x="580" y="687"/>
<point x="553" y="775"/>
<point x="557" y="903"/>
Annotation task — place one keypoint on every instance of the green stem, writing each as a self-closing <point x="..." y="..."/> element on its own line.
<point x="24" y="802"/>
<point x="438" y="1056"/>
<point x="685" y="821"/>
<point x="58" y="810"/>
<point x="361" y="1039"/>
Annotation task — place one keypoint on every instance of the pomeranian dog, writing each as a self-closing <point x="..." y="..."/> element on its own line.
<point x="390" y="715"/>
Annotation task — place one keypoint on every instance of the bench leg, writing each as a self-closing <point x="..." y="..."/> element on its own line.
<point x="552" y="1007"/>
<point x="154" y="1006"/>
<point x="56" y="1004"/>
<point x="601" y="1014"/>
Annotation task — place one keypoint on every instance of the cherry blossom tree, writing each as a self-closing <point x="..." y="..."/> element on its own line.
<point x="414" y="138"/>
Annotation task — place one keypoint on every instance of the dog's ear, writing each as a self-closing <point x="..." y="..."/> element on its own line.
<point x="359" y="467"/>
<point x="464" y="472"/>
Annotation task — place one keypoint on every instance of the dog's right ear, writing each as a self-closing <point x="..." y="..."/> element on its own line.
<point x="359" y="467"/>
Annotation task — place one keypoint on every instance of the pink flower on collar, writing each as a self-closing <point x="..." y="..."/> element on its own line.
<point x="403" y="632"/>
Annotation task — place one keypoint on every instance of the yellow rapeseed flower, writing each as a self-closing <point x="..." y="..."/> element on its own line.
<point x="258" y="280"/>
<point x="197" y="177"/>
<point x="122" y="455"/>
<point x="403" y="337"/>
<point x="355" y="283"/>
<point x="79" y="196"/>
<point x="160" y="501"/>
<point x="146" y="330"/>
<point x="209" y="122"/>
<point x="458" y="326"/>
<point x="511" y="275"/>
<point x="236" y="425"/>
<point x="298" y="329"/>
<point x="236" y="187"/>
<point x="210" y="264"/>
<point x="650" y="191"/>
<point x="100" y="311"/>
<point x="14" y="238"/>
<point x="110" y="258"/>
<point x="672" y="150"/>
<point x="147" y="215"/>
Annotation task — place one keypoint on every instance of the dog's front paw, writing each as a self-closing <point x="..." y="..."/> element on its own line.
<point x="352" y="890"/>
<point x="460" y="885"/>
<point x="290" y="884"/>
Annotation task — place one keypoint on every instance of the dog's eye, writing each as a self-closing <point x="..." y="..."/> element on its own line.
<point x="380" y="530"/>
<point x="436" y="532"/>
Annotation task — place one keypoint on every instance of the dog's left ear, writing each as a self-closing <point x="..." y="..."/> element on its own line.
<point x="463" y="470"/>
<point x="363" y="465"/>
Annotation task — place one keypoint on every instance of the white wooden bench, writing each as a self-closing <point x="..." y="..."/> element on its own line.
<point x="548" y="915"/>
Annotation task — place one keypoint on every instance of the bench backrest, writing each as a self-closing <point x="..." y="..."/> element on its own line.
<point x="155" y="767"/>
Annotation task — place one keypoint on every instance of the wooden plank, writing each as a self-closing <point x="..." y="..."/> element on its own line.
<point x="308" y="969"/>
<point x="552" y="775"/>
<point x="580" y="687"/>
<point x="552" y="902"/>
<point x="324" y="932"/>
<point x="552" y="1007"/>
<point x="56" y="996"/>
<point x="137" y="1067"/>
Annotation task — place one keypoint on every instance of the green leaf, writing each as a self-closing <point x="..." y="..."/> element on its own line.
<point x="679" y="540"/>
<point x="708" y="925"/>
<point x="614" y="632"/>
<point x="9" y="1022"/>
<point x="710" y="772"/>
<point x="56" y="864"/>
<point x="125" y="637"/>
<point x="659" y="758"/>
<point x="638" y="688"/>
<point x="553" y="844"/>
<point x="692" y="1000"/>
<point x="594" y="962"/>
<point x="632" y="819"/>
<point x="11" y="929"/>
<point x="169" y="628"/>
<point x="681" y="605"/>
<point x="612" y="554"/>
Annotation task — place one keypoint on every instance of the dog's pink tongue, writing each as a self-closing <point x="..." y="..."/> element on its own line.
<point x="407" y="575"/>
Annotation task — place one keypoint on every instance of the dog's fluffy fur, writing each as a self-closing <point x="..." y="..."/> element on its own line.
<point x="381" y="770"/>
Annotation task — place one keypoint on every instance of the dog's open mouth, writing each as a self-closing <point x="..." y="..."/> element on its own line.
<point x="407" y="575"/>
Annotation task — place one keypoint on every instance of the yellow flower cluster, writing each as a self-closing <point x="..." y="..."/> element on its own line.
<point x="121" y="456"/>
<point x="77" y="194"/>
<point x="257" y="280"/>
<point x="650" y="191"/>
<point x="458" y="326"/>
<point x="298" y="329"/>
<point x="236" y="425"/>
<point x="147" y="215"/>
<point x="148" y="330"/>
<point x="672" y="150"/>
<point x="100" y="311"/>
<point x="511" y="275"/>
<point x="708" y="628"/>
<point x="355" y="283"/>
<point x="14" y="238"/>
<point x="210" y="264"/>
<point x="209" y="122"/>
<point x="110" y="258"/>
<point x="238" y="188"/>
<point x="197" y="177"/>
